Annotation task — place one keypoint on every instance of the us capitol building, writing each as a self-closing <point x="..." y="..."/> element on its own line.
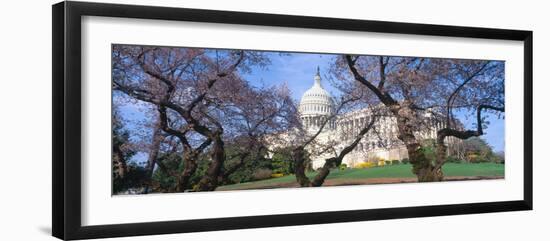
<point x="316" y="105"/>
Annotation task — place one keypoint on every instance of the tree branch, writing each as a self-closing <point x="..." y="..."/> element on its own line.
<point x="445" y="132"/>
<point x="386" y="99"/>
<point x="453" y="95"/>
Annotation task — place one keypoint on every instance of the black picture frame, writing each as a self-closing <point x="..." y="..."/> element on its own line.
<point x="66" y="59"/>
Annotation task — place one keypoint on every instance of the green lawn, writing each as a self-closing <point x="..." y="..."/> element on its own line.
<point x="360" y="176"/>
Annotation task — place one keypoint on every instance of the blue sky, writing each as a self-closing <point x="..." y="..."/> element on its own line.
<point x="298" y="69"/>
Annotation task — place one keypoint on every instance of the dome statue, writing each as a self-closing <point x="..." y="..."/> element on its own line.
<point x="316" y="103"/>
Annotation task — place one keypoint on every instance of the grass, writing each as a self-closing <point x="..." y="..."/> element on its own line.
<point x="362" y="176"/>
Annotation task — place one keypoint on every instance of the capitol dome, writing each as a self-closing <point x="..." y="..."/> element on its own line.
<point x="316" y="100"/>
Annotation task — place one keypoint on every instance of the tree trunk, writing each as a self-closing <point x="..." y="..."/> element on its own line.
<point x="119" y="162"/>
<point x="224" y="177"/>
<point x="441" y="155"/>
<point x="153" y="151"/>
<point x="325" y="170"/>
<point x="209" y="181"/>
<point x="423" y="167"/>
<point x="298" y="155"/>
<point x="152" y="158"/>
<point x="190" y="166"/>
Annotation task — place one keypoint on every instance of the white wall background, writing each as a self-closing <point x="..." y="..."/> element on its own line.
<point x="25" y="123"/>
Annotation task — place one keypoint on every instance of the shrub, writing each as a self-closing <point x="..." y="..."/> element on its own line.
<point x="405" y="161"/>
<point x="381" y="163"/>
<point x="134" y="179"/>
<point x="473" y="157"/>
<point x="388" y="162"/>
<point x="274" y="175"/>
<point x="261" y="174"/>
<point x="453" y="159"/>
<point x="365" y="165"/>
<point x="281" y="161"/>
<point x="343" y="166"/>
<point x="395" y="162"/>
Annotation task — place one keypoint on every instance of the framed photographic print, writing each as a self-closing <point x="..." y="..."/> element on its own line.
<point x="229" y="120"/>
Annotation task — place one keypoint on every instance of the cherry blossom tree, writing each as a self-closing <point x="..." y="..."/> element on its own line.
<point x="473" y="87"/>
<point x="202" y="100"/>
<point x="410" y="87"/>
